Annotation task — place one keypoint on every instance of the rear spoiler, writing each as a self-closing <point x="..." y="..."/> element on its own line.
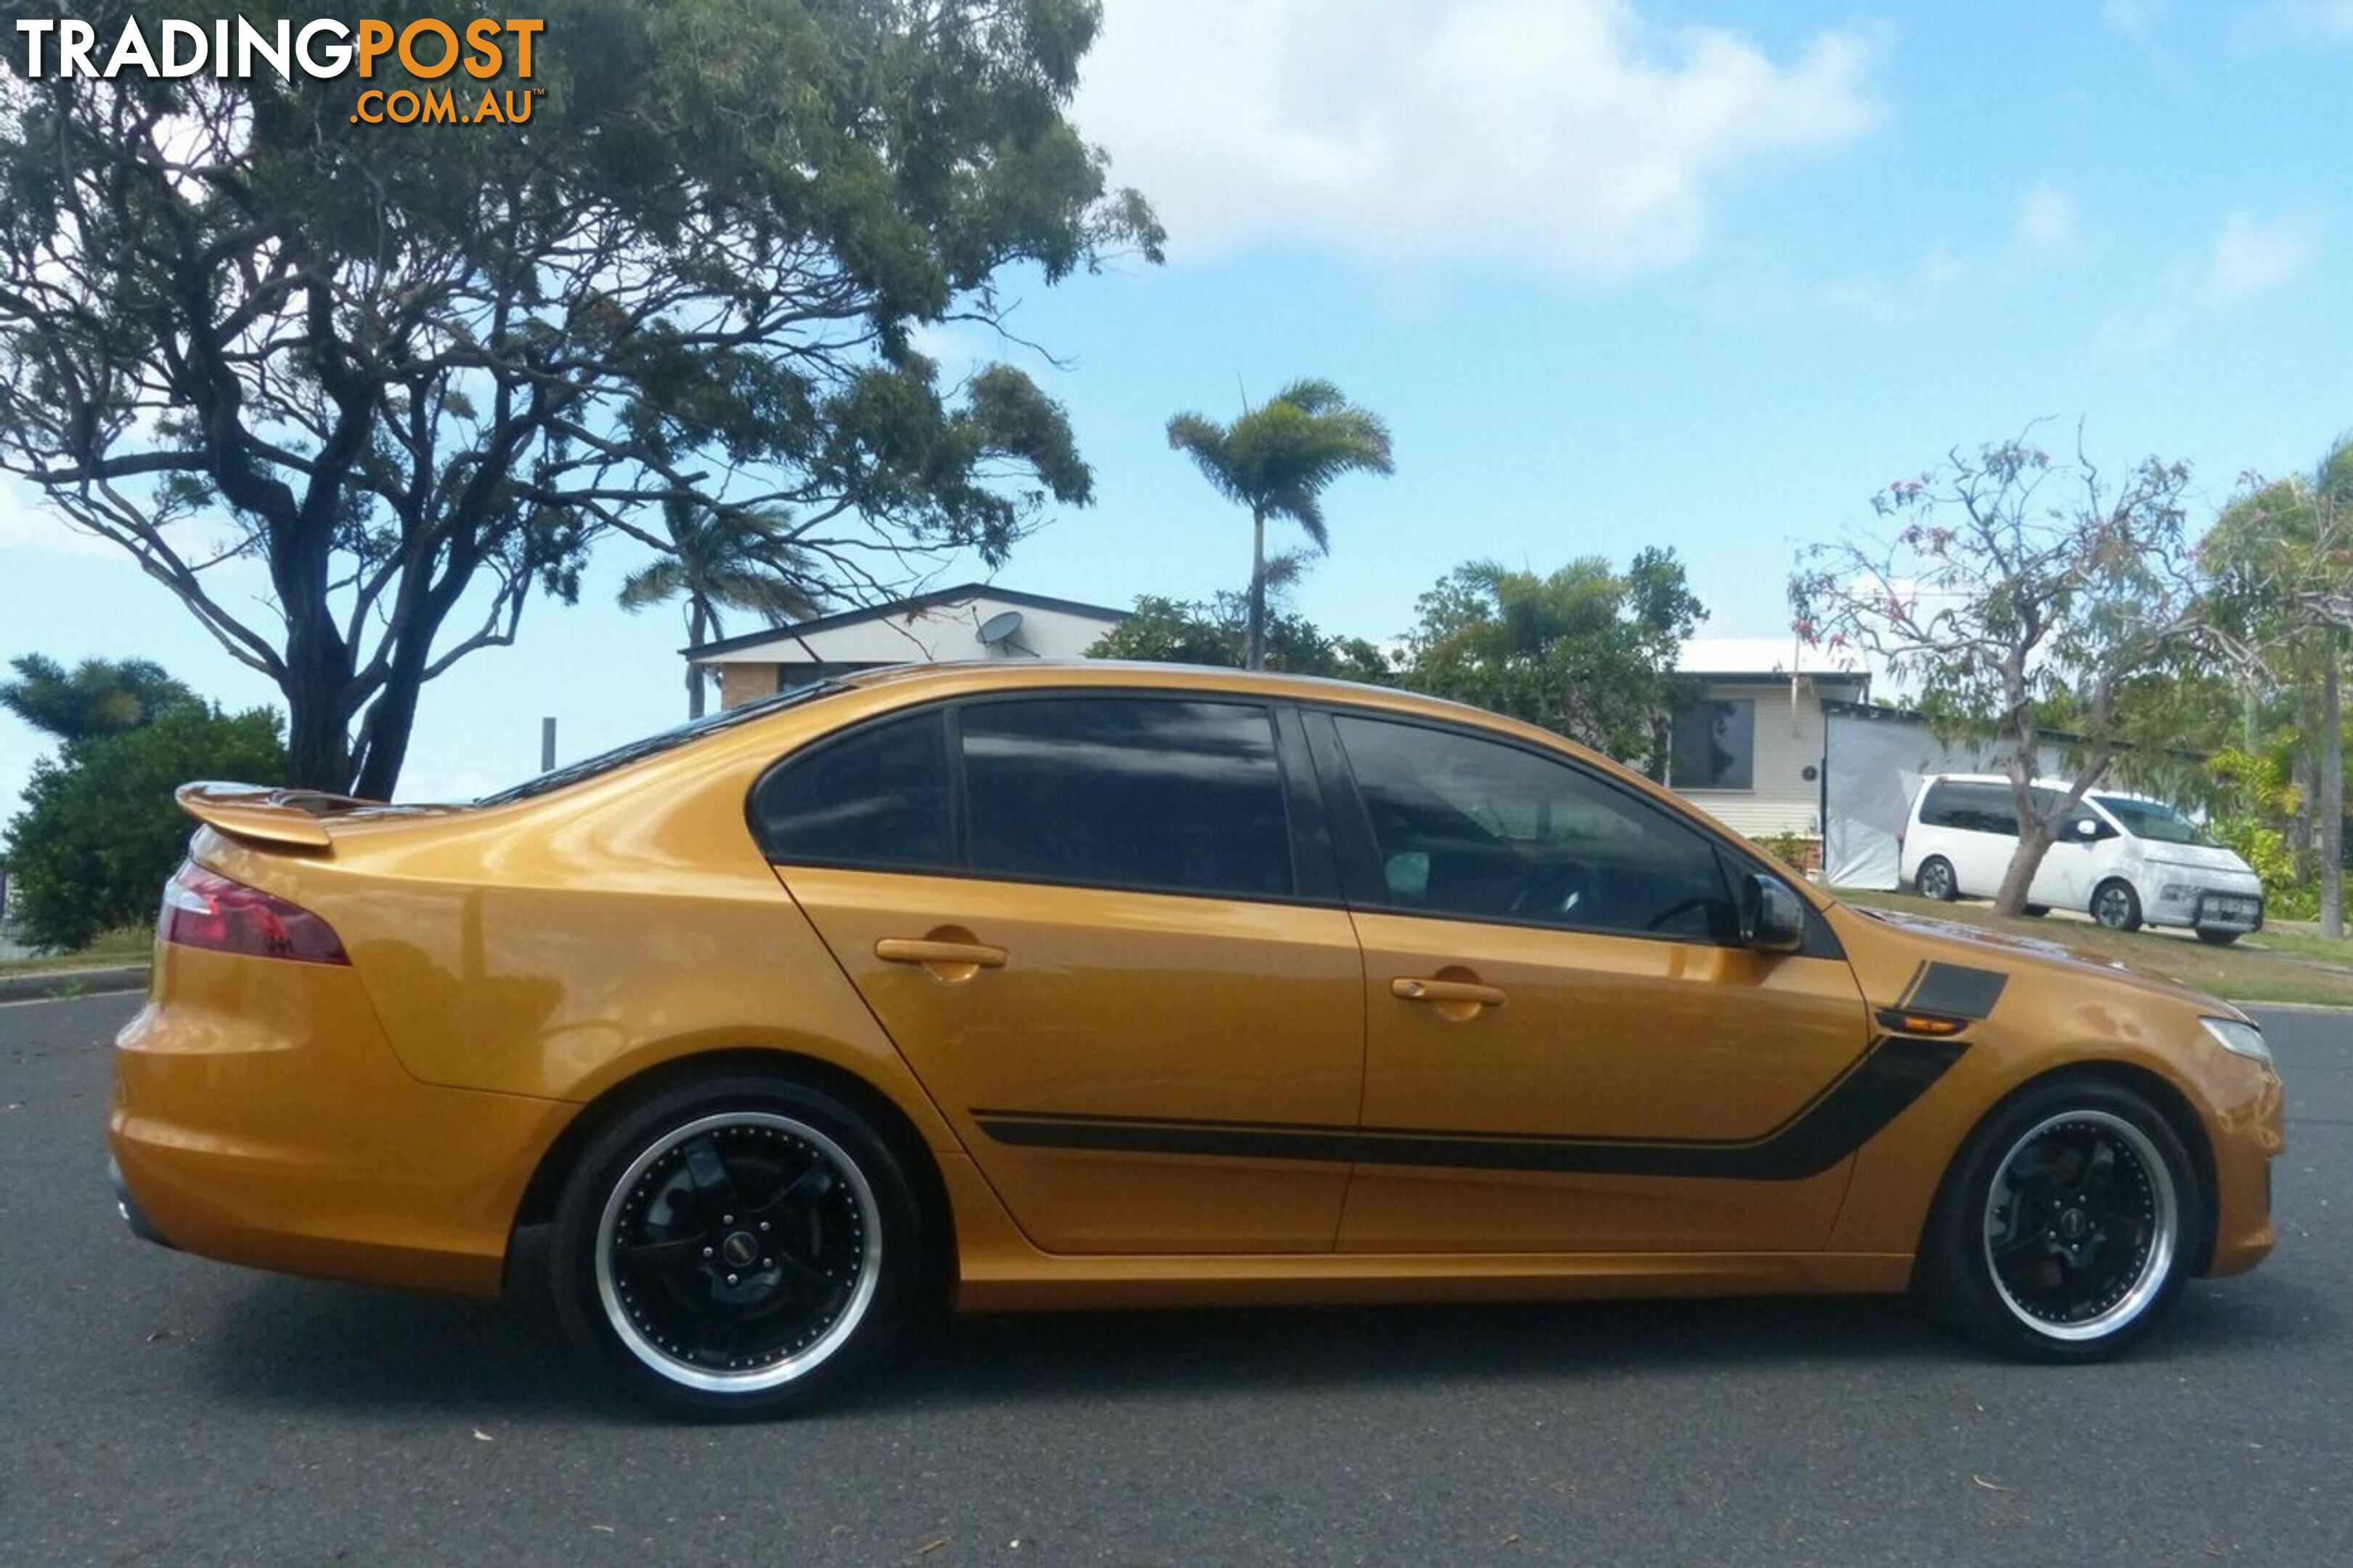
<point x="286" y="818"/>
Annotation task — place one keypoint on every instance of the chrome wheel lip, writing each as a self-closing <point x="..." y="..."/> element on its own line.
<point x="756" y="1378"/>
<point x="2156" y="1267"/>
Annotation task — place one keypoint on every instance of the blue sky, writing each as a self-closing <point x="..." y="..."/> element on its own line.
<point x="1699" y="275"/>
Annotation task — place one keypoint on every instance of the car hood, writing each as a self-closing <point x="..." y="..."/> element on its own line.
<point x="2012" y="951"/>
<point x="2198" y="856"/>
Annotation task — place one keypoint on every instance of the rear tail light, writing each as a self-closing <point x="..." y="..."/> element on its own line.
<point x="205" y="908"/>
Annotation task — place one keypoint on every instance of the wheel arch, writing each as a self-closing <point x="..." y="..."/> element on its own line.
<point x="2163" y="1095"/>
<point x="541" y="1193"/>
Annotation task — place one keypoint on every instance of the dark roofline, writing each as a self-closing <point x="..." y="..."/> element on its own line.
<point x="1777" y="677"/>
<point x="902" y="606"/>
<point x="1888" y="713"/>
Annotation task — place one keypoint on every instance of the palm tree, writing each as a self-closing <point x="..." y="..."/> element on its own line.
<point x="722" y="560"/>
<point x="1276" y="460"/>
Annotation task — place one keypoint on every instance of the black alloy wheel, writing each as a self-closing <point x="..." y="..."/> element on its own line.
<point x="2069" y="1225"/>
<point x="737" y="1246"/>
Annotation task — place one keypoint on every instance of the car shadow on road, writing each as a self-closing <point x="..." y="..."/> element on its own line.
<point x="300" y="1343"/>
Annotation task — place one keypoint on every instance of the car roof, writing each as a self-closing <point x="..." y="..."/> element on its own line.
<point x="1033" y="674"/>
<point x="2062" y="785"/>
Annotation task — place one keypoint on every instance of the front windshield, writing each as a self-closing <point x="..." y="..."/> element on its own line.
<point x="2147" y="819"/>
<point x="666" y="740"/>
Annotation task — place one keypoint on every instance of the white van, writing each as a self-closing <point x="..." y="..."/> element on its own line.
<point x="2124" y="859"/>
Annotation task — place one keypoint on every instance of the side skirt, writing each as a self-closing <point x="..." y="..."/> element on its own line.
<point x="1044" y="1282"/>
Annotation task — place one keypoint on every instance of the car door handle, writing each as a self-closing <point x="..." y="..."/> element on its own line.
<point x="912" y="950"/>
<point x="1405" y="988"/>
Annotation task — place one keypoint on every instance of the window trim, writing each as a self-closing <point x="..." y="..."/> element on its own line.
<point x="1315" y="879"/>
<point x="1364" y="886"/>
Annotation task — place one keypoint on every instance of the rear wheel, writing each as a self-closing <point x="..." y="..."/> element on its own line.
<point x="737" y="1246"/>
<point x="2069" y="1223"/>
<point x="2115" y="906"/>
<point x="2036" y="911"/>
<point x="1934" y="880"/>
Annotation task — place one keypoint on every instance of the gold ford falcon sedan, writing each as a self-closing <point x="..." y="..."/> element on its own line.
<point x="1034" y="986"/>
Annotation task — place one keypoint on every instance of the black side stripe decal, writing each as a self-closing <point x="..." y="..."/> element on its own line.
<point x="1954" y="990"/>
<point x="1852" y="1112"/>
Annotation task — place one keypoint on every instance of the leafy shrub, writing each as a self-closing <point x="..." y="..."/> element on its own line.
<point x="1792" y="850"/>
<point x="2253" y="792"/>
<point x="100" y="831"/>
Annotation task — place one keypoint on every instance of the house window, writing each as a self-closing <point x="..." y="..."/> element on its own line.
<point x="1713" y="746"/>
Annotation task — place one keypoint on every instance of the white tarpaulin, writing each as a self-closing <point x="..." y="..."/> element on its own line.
<point x="1874" y="764"/>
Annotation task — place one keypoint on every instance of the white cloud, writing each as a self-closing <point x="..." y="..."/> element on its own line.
<point x="2248" y="257"/>
<point x="2254" y="256"/>
<point x="2045" y="226"/>
<point x="1568" y="137"/>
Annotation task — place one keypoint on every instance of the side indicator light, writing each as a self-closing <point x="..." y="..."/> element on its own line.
<point x="1935" y="1026"/>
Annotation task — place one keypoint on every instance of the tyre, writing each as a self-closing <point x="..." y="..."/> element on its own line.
<point x="2035" y="912"/>
<point x="1934" y="880"/>
<point x="737" y="1246"/>
<point x="2115" y="906"/>
<point x="2068" y="1224"/>
<point x="2218" y="938"/>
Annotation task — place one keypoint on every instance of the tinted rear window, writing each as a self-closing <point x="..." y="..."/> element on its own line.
<point x="1178" y="796"/>
<point x="655" y="744"/>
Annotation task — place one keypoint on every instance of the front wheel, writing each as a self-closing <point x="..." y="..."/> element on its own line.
<point x="737" y="1246"/>
<point x="2069" y="1223"/>
<point x="2213" y="938"/>
<point x="2115" y="906"/>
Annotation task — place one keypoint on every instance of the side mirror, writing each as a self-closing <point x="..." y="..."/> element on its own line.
<point x="2086" y="829"/>
<point x="1772" y="917"/>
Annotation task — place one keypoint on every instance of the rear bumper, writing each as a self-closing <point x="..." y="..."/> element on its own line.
<point x="128" y="1206"/>
<point x="259" y="1118"/>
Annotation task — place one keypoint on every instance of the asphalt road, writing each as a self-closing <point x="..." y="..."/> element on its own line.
<point x="158" y="1408"/>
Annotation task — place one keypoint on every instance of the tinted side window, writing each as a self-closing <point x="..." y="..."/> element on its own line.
<point x="1971" y="807"/>
<point x="1482" y="830"/>
<point x="878" y="797"/>
<point x="1178" y="796"/>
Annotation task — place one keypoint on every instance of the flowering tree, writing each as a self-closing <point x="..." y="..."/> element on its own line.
<point x="2007" y="589"/>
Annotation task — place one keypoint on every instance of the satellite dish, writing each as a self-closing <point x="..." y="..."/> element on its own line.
<point x="1000" y="628"/>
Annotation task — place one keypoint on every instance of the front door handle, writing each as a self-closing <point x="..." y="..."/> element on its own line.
<point x="1407" y="988"/>
<point x="913" y="950"/>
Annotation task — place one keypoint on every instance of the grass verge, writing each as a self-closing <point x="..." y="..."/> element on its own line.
<point x="128" y="944"/>
<point x="2268" y="967"/>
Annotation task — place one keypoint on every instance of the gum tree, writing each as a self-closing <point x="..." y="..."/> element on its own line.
<point x="2280" y="564"/>
<point x="2004" y="585"/>
<point x="356" y="392"/>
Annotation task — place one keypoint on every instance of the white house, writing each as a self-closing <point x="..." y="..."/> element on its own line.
<point x="973" y="621"/>
<point x="1751" y="750"/>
